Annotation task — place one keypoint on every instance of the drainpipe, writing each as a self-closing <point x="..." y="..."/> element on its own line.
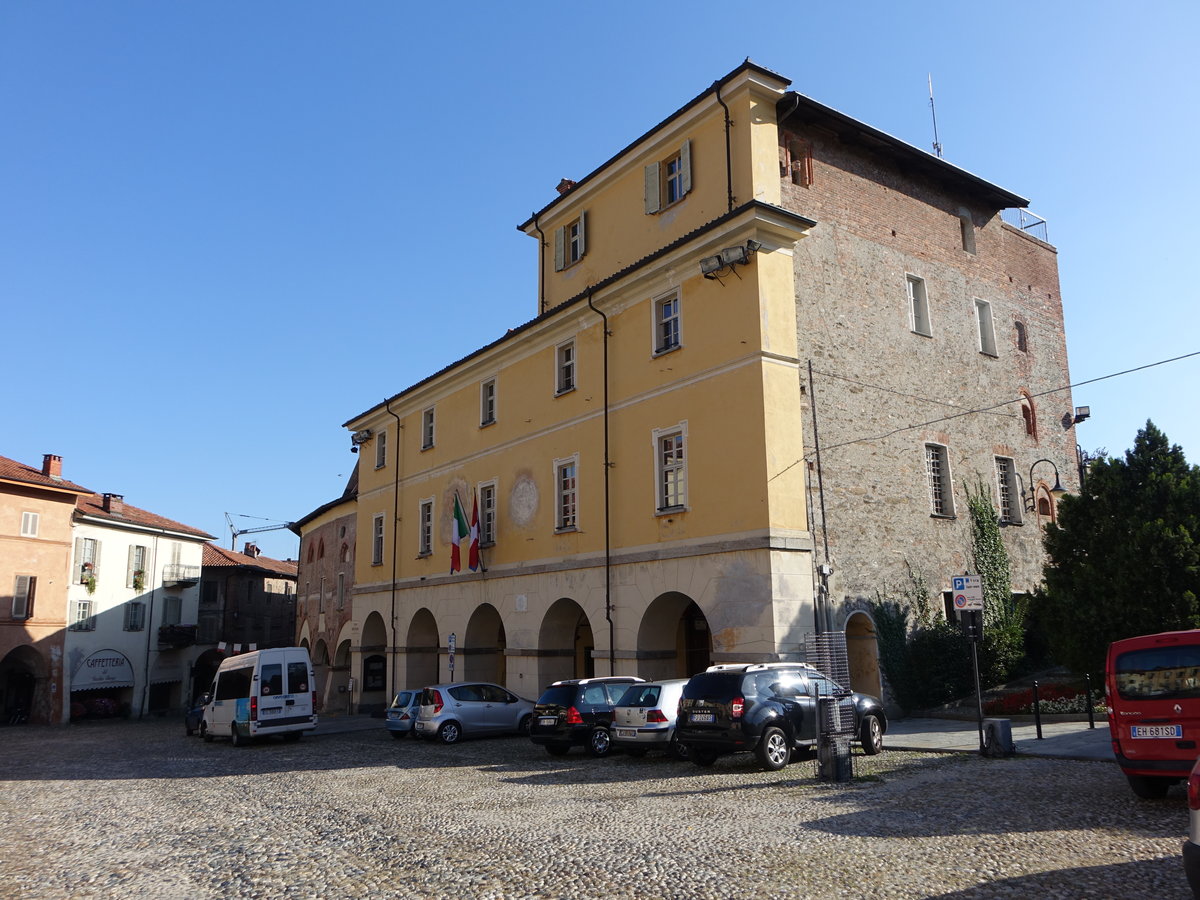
<point x="728" y="155"/>
<point x="821" y="613"/>
<point x="612" y="634"/>
<point x="541" y="265"/>
<point x="395" y="518"/>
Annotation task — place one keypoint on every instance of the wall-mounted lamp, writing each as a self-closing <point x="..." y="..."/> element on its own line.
<point x="1082" y="414"/>
<point x="1056" y="492"/>
<point x="712" y="267"/>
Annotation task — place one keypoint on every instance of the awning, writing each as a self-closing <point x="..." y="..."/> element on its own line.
<point x="103" y="669"/>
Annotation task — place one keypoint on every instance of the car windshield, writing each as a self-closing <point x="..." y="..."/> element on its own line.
<point x="402" y="699"/>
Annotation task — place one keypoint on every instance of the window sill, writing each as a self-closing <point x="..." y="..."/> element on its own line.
<point x="560" y="393"/>
<point x="1009" y="523"/>
<point x="989" y="355"/>
<point x="670" y="510"/>
<point x="486" y="545"/>
<point x="425" y="554"/>
<point x="425" y="447"/>
<point x="950" y="516"/>
<point x="925" y="334"/>
<point x="566" y="529"/>
<point x="487" y="423"/>
<point x="663" y="351"/>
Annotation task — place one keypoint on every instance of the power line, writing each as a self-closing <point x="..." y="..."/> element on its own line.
<point x="968" y="412"/>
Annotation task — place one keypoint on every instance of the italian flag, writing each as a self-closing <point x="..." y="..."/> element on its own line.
<point x="461" y="531"/>
<point x="473" y="556"/>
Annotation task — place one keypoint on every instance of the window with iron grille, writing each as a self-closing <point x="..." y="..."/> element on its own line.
<point x="937" y="465"/>
<point x="1007" y="491"/>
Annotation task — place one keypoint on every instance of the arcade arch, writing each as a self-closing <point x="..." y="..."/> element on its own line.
<point x="674" y="640"/>
<point x="421" y="656"/>
<point x="565" y="643"/>
<point x="862" y="650"/>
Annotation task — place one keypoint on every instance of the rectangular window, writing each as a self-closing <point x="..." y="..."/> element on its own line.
<point x="425" y="528"/>
<point x="670" y="465"/>
<point x="918" y="306"/>
<point x="377" y="541"/>
<point x="172" y="610"/>
<point x="937" y="465"/>
<point x="566" y="494"/>
<point x="564" y="379"/>
<point x="135" y="615"/>
<point x="487" y="402"/>
<point x="24" y="588"/>
<point x="987" y="329"/>
<point x="381" y="449"/>
<point x="87" y="559"/>
<point x="29" y="524"/>
<point x="135" y="568"/>
<point x="1007" y="491"/>
<point x="427" y="429"/>
<point x="487" y="513"/>
<point x="668" y="180"/>
<point x="570" y="243"/>
<point x="666" y="323"/>
<point x="81" y="616"/>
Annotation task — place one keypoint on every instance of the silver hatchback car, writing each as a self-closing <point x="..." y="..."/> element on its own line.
<point x="450" y="712"/>
<point x="644" y="718"/>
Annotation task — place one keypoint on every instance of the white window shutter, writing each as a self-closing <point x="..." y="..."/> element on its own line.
<point x="685" y="165"/>
<point x="78" y="559"/>
<point x="582" y="232"/>
<point x="560" y="237"/>
<point x="96" y="561"/>
<point x="129" y="566"/>
<point x="20" y="603"/>
<point x="653" y="199"/>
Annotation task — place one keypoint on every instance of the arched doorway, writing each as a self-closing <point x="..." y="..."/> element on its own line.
<point x="421" y="651"/>
<point x="373" y="675"/>
<point x="21" y="671"/>
<point x="204" y="670"/>
<point x="320" y="661"/>
<point x="674" y="640"/>
<point x="565" y="644"/>
<point x="483" y="647"/>
<point x="862" y="649"/>
<point x="338" y="696"/>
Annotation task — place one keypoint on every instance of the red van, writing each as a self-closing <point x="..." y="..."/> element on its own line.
<point x="1152" y="694"/>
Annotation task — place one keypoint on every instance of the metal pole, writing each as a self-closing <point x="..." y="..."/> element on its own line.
<point x="1037" y="711"/>
<point x="1087" y="680"/>
<point x="978" y="691"/>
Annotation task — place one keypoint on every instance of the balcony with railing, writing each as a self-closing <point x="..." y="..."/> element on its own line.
<point x="1030" y="223"/>
<point x="176" y="575"/>
<point x="176" y="637"/>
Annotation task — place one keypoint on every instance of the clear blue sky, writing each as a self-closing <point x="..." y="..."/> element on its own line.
<point x="226" y="228"/>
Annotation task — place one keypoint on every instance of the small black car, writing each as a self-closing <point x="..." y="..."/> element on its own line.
<point x="767" y="708"/>
<point x="578" y="711"/>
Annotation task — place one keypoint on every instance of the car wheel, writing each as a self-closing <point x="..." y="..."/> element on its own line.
<point x="449" y="733"/>
<point x="523" y="727"/>
<point x="870" y="735"/>
<point x="678" y="750"/>
<point x="1149" y="787"/>
<point x="208" y="738"/>
<point x="558" y="749"/>
<point x="599" y="742"/>
<point x="773" y="751"/>
<point x="636" y="752"/>
<point x="701" y="757"/>
<point x="235" y="736"/>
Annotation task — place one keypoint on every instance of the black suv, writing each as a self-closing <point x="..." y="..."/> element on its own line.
<point x="578" y="711"/>
<point x="769" y="708"/>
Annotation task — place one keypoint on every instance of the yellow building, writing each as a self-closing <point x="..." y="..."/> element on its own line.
<point x="636" y="451"/>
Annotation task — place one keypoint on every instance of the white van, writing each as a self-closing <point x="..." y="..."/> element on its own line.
<point x="261" y="693"/>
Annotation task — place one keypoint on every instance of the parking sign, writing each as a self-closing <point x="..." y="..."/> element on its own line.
<point x="968" y="592"/>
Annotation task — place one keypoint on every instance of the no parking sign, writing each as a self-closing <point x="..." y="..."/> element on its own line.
<point x="968" y="592"/>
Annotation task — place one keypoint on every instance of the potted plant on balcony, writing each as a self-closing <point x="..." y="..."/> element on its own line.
<point x="89" y="577"/>
<point x="139" y="579"/>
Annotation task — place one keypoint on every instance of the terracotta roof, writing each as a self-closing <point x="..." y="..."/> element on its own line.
<point x="11" y="470"/>
<point x="217" y="557"/>
<point x="93" y="507"/>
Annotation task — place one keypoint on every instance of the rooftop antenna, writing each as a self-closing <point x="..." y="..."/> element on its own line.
<point x="937" y="147"/>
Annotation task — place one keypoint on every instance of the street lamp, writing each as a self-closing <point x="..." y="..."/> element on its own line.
<point x="1056" y="492"/>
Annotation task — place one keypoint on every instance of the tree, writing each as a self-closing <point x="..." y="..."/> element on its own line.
<point x="1124" y="556"/>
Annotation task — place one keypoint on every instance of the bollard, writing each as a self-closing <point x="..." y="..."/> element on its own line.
<point x="1087" y="681"/>
<point x="1037" y="711"/>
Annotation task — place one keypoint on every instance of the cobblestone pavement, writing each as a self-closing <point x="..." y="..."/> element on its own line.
<point x="135" y="809"/>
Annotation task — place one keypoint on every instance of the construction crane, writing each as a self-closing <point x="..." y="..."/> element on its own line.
<point x="235" y="533"/>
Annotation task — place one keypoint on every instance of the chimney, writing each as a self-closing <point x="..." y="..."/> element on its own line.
<point x="565" y="185"/>
<point x="252" y="550"/>
<point x="114" y="503"/>
<point x="52" y="465"/>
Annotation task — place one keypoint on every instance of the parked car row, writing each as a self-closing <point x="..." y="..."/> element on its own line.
<point x="768" y="709"/>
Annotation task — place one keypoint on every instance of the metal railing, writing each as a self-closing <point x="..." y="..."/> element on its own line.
<point x="1026" y="221"/>
<point x="175" y="573"/>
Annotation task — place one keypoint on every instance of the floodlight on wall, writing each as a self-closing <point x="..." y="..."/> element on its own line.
<point x="1082" y="414"/>
<point x="713" y="267"/>
<point x="359" y="437"/>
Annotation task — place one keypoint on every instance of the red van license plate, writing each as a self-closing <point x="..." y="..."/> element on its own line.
<point x="1156" y="731"/>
